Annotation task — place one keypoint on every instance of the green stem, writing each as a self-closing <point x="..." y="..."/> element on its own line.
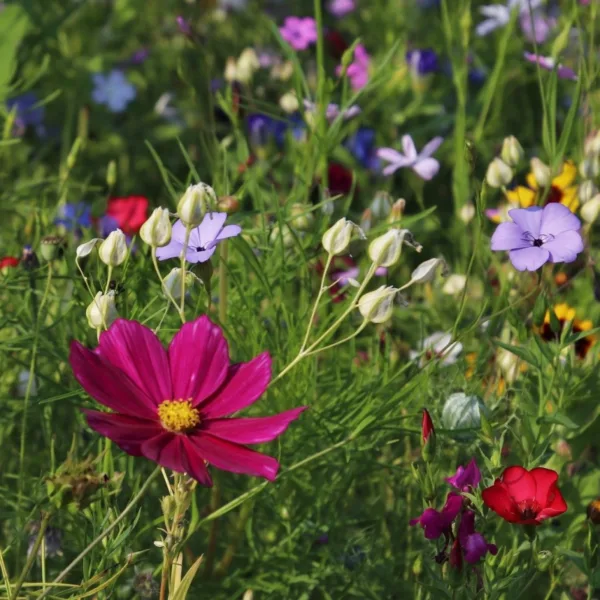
<point x="322" y="288"/>
<point x="223" y="282"/>
<point x="164" y="288"/>
<point x="102" y="535"/>
<point x="188" y="231"/>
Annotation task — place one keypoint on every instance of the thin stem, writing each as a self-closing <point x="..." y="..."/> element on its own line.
<point x="223" y="282"/>
<point x="108" y="278"/>
<point x="164" y="288"/>
<point x="32" y="555"/>
<point x="101" y="536"/>
<point x="339" y="342"/>
<point x="164" y="577"/>
<point x="188" y="231"/>
<point x="322" y="289"/>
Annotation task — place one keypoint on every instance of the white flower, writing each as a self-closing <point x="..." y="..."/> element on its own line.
<point x="195" y="203"/>
<point x="85" y="249"/>
<point x="498" y="174"/>
<point x="113" y="90"/>
<point x="102" y="311"/>
<point x="385" y="250"/>
<point x="156" y="231"/>
<point x="338" y="237"/>
<point x="438" y="345"/>
<point x="289" y="102"/>
<point x="377" y="306"/>
<point x="427" y="270"/>
<point x="113" y="250"/>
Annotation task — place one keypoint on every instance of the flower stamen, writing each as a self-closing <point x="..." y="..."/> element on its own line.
<point x="178" y="416"/>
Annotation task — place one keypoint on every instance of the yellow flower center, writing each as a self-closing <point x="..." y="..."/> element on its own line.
<point x="178" y="415"/>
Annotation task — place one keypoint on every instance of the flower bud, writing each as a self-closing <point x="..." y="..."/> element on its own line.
<point x="377" y="306"/>
<point x="397" y="210"/>
<point x="593" y="511"/>
<point x="289" y="102"/>
<point x="427" y="437"/>
<point x="228" y="204"/>
<point x="113" y="250"/>
<point x="589" y="167"/>
<point x="111" y="174"/>
<point x="498" y="173"/>
<point x="455" y="284"/>
<point x="338" y="237"/>
<point x="426" y="271"/>
<point x="467" y="212"/>
<point x="156" y="231"/>
<point x="172" y="282"/>
<point x="381" y="206"/>
<point x="195" y="203"/>
<point x="230" y="70"/>
<point x="247" y="64"/>
<point x="385" y="250"/>
<point x="102" y="310"/>
<point x="282" y="235"/>
<point x="541" y="172"/>
<point x="592" y="144"/>
<point x="51" y="247"/>
<point x="303" y="218"/>
<point x="512" y="152"/>
<point x="586" y="191"/>
<point x="591" y="209"/>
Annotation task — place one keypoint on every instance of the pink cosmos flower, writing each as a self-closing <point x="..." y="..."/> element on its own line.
<point x="298" y="32"/>
<point x="420" y="162"/>
<point x="173" y="406"/>
<point x="549" y="64"/>
<point x="358" y="70"/>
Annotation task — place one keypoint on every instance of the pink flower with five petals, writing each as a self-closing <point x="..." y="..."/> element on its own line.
<point x="174" y="406"/>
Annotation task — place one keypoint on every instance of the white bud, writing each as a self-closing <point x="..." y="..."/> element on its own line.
<point x="377" y="306"/>
<point x="102" y="310"/>
<point x="591" y="209"/>
<point x="286" y="235"/>
<point x="498" y="173"/>
<point x="85" y="249"/>
<point x="592" y="144"/>
<point x="385" y="250"/>
<point x="586" y="191"/>
<point x="172" y="282"/>
<point x="467" y="212"/>
<point x="113" y="250"/>
<point x="338" y="237"/>
<point x="248" y="595"/>
<point x="381" y="206"/>
<point x="455" y="284"/>
<point x="303" y="218"/>
<point x="156" y="231"/>
<point x="195" y="203"/>
<point x="512" y="152"/>
<point x="289" y="102"/>
<point x="426" y="271"/>
<point x="589" y="167"/>
<point x="541" y="172"/>
<point x="247" y="64"/>
<point x="230" y="70"/>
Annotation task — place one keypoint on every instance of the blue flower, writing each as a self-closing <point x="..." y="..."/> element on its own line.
<point x="361" y="144"/>
<point x="423" y="61"/>
<point x="27" y="113"/>
<point x="113" y="90"/>
<point x="74" y="216"/>
<point x="263" y="129"/>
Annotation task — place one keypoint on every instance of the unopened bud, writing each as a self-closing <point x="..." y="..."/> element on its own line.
<point x="338" y="237"/>
<point x="591" y="209"/>
<point x="72" y="157"/>
<point x="156" y="231"/>
<point x="230" y="70"/>
<point x="467" y="212"/>
<point x="289" y="102"/>
<point x="282" y="235"/>
<point x="455" y="284"/>
<point x="589" y="167"/>
<point x="541" y="172"/>
<point x="586" y="191"/>
<point x="427" y="270"/>
<point x="397" y="210"/>
<point x="113" y="250"/>
<point x="498" y="174"/>
<point x="543" y="560"/>
<point x="385" y="250"/>
<point x="228" y="204"/>
<point x="51" y="247"/>
<point x="111" y="174"/>
<point x="303" y="218"/>
<point x="172" y="282"/>
<point x="102" y="310"/>
<point x="381" y="206"/>
<point x="195" y="203"/>
<point x="512" y="151"/>
<point x="377" y="306"/>
<point x="247" y="64"/>
<point x="428" y="441"/>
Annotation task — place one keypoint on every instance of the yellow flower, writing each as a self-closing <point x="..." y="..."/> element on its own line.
<point x="561" y="190"/>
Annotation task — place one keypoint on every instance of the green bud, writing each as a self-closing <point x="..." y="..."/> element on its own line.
<point x="417" y="567"/>
<point x="111" y="174"/>
<point x="72" y="157"/>
<point x="51" y="247"/>
<point x="543" y="560"/>
<point x="539" y="310"/>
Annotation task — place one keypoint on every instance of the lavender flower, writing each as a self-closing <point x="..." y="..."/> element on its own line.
<point x="333" y="111"/>
<point x="537" y="29"/>
<point x="113" y="90"/>
<point x="538" y="235"/>
<point x="421" y="163"/>
<point x="340" y="8"/>
<point x="298" y="32"/>
<point x="203" y="239"/>
<point x="549" y="64"/>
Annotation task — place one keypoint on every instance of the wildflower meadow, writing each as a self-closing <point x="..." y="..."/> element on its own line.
<point x="300" y="299"/>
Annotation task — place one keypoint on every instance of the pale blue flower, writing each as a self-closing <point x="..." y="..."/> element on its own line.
<point x="113" y="90"/>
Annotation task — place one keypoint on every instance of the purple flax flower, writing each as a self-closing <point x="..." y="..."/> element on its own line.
<point x="298" y="32"/>
<point x="358" y="70"/>
<point x="203" y="239"/>
<point x="340" y="8"/>
<point x="113" y="90"/>
<point x="466" y="477"/>
<point x="74" y="216"/>
<point x="333" y="111"/>
<point x="27" y="113"/>
<point x="549" y="64"/>
<point x="422" y="62"/>
<point x="498" y="15"/>
<point x="437" y="523"/>
<point x="421" y="163"/>
<point x="473" y="544"/>
<point x="538" y="235"/>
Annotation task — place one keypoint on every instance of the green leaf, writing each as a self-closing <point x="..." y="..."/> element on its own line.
<point x="14" y="24"/>
<point x="184" y="586"/>
<point x="521" y="352"/>
<point x="558" y="419"/>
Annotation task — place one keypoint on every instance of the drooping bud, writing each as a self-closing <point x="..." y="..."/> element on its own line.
<point x="102" y="311"/>
<point x="427" y="270"/>
<point x="397" y="210"/>
<point x="377" y="306"/>
<point x="512" y="152"/>
<point x="586" y="191"/>
<point x="498" y="174"/>
<point x="541" y="172"/>
<point x="195" y="203"/>
<point x="591" y="209"/>
<point x="156" y="231"/>
<point x="338" y="237"/>
<point x="113" y="250"/>
<point x="385" y="250"/>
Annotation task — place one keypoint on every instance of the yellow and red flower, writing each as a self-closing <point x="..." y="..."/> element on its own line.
<point x="565" y="314"/>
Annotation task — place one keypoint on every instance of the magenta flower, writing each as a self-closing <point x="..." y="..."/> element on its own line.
<point x="466" y="477"/>
<point x="437" y="523"/>
<point x="538" y="235"/>
<point x="549" y="64"/>
<point x="421" y="163"/>
<point x="340" y="8"/>
<point x="173" y="406"/>
<point x="298" y="32"/>
<point x="203" y="239"/>
<point x="358" y="70"/>
<point x="473" y="544"/>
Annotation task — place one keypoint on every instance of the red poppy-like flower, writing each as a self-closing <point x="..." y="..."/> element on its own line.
<point x="172" y="406"/>
<point x="525" y="497"/>
<point x="8" y="262"/>
<point x="130" y="213"/>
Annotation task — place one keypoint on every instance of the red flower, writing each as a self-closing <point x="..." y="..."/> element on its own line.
<point x="339" y="179"/>
<point x="426" y="426"/>
<point x="525" y="497"/>
<point x="130" y="213"/>
<point x="8" y="262"/>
